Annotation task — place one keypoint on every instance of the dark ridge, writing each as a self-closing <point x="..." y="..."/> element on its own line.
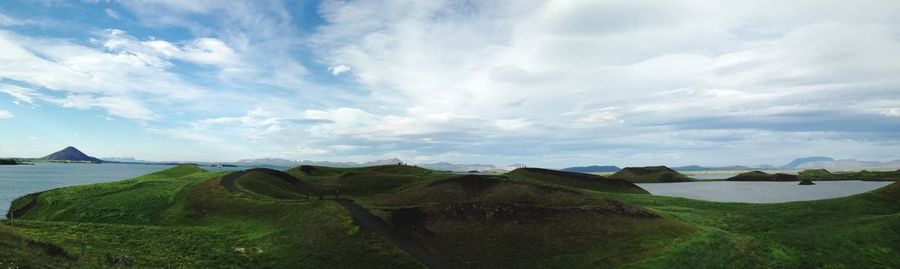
<point x="763" y="176"/>
<point x="806" y="182"/>
<point x="751" y="176"/>
<point x="228" y="180"/>
<point x="582" y="180"/>
<point x="650" y="174"/>
<point x="300" y="185"/>
<point x="784" y="177"/>
<point x="469" y="183"/>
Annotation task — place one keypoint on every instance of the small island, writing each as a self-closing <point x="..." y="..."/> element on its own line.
<point x="8" y="162"/>
<point x="806" y="182"/>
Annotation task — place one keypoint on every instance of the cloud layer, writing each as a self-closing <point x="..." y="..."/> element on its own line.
<point x="541" y="82"/>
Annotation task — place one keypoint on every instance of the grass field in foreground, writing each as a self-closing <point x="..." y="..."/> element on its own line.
<point x="183" y="217"/>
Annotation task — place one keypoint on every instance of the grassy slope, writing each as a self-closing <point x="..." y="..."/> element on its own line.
<point x="194" y="222"/>
<point x="498" y="222"/>
<point x="362" y="182"/>
<point x="860" y="231"/>
<point x="822" y="174"/>
<point x="197" y="223"/>
<point x="650" y="174"/>
<point x="17" y="251"/>
<point x="574" y="180"/>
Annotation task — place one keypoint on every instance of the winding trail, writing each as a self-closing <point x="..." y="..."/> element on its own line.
<point x="372" y="223"/>
<point x="368" y="222"/>
<point x="227" y="181"/>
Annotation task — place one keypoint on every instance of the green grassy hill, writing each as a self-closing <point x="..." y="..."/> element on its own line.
<point x="650" y="174"/>
<point x="476" y="221"/>
<point x="822" y="174"/>
<point x="574" y="180"/>
<point x="528" y="218"/>
<point x="17" y="251"/>
<point x="274" y="184"/>
<point x="859" y="231"/>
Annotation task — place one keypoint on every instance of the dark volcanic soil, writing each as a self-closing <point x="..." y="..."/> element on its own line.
<point x="374" y="224"/>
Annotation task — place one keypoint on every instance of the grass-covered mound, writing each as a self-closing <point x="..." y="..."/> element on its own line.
<point x="140" y="200"/>
<point x="822" y="174"/>
<point x="186" y="218"/>
<point x="806" y="182"/>
<point x="317" y="171"/>
<point x="273" y="183"/>
<point x="363" y="181"/>
<point x="192" y="221"/>
<point x="860" y="231"/>
<point x="478" y="221"/>
<point x="574" y="180"/>
<point x="650" y="174"/>
<point x="763" y="176"/>
<point x="484" y="189"/>
<point x="890" y="191"/>
<point x="17" y="251"/>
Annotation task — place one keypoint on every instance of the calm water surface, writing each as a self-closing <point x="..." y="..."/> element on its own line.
<point x="762" y="192"/>
<point x="18" y="180"/>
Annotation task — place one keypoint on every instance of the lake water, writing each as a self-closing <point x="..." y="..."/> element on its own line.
<point x="762" y="192"/>
<point x="18" y="180"/>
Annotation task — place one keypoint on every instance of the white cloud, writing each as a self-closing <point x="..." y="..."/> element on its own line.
<point x="111" y="13"/>
<point x="513" y="124"/>
<point x="5" y="114"/>
<point x="599" y="118"/>
<point x="115" y="105"/>
<point x="338" y="69"/>
<point x="20" y="94"/>
<point x="433" y="78"/>
<point x="893" y="112"/>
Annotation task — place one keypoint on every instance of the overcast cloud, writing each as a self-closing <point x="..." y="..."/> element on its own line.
<point x="546" y="83"/>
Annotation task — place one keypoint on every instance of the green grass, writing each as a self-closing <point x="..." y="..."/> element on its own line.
<point x="183" y="218"/>
<point x="17" y="251"/>
<point x="650" y="174"/>
<point x="860" y="231"/>
<point x="574" y="180"/>
<point x="822" y="174"/>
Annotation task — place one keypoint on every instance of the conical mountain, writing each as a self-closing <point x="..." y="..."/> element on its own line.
<point x="71" y="154"/>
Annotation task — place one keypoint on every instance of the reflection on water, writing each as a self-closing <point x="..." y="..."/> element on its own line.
<point x="762" y="192"/>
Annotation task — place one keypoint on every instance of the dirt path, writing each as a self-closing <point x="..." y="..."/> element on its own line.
<point x="227" y="181"/>
<point x="372" y="223"/>
<point x="369" y="222"/>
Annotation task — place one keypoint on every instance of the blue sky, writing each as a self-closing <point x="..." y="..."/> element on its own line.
<point x="545" y="83"/>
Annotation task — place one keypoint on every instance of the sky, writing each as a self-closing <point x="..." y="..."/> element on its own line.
<point x="542" y="83"/>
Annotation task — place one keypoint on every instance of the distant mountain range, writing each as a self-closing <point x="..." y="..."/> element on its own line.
<point x="286" y="162"/>
<point x="815" y="162"/>
<point x="592" y="169"/>
<point x="796" y="163"/>
<point x="697" y="168"/>
<point x="70" y="154"/>
<point x="481" y="168"/>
